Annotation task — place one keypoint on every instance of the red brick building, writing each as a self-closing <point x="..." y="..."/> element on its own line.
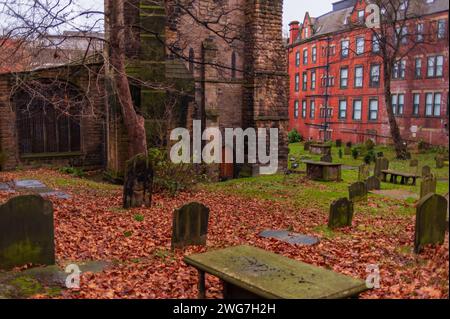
<point x="336" y="82"/>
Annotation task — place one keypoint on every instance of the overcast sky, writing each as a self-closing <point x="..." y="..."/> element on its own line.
<point x="293" y="10"/>
<point x="296" y="9"/>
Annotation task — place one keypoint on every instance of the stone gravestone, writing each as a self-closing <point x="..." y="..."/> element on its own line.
<point x="426" y="171"/>
<point x="26" y="232"/>
<point x="341" y="214"/>
<point x="190" y="226"/>
<point x="373" y="183"/>
<point x="347" y="150"/>
<point x="338" y="143"/>
<point x="364" y="172"/>
<point x="327" y="158"/>
<point x="440" y="162"/>
<point x="428" y="186"/>
<point x="381" y="164"/>
<point x="306" y="146"/>
<point x="138" y="186"/>
<point x="431" y="216"/>
<point x="414" y="163"/>
<point x="358" y="192"/>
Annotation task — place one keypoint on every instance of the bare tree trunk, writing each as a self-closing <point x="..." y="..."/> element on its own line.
<point x="399" y="145"/>
<point x="138" y="173"/>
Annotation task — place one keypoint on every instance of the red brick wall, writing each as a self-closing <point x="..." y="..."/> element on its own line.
<point x="430" y="129"/>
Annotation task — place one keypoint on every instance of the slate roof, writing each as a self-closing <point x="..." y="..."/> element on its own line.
<point x="333" y="21"/>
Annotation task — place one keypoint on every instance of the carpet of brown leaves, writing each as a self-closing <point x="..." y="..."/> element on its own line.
<point x="91" y="226"/>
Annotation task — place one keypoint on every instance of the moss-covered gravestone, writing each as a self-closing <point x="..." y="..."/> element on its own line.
<point x="426" y="171"/>
<point x="381" y="164"/>
<point x="138" y="186"/>
<point x="363" y="172"/>
<point x="347" y="151"/>
<point x="358" y="192"/>
<point x="414" y="163"/>
<point x="307" y="145"/>
<point x="26" y="232"/>
<point x="341" y="214"/>
<point x="190" y="225"/>
<point x="373" y="183"/>
<point x="431" y="222"/>
<point x="428" y="186"/>
<point x="440" y="162"/>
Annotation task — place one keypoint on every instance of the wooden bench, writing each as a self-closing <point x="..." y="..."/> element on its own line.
<point x="405" y="177"/>
<point x="252" y="273"/>
<point x="323" y="171"/>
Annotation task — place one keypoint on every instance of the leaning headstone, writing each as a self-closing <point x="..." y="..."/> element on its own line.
<point x="428" y="186"/>
<point x="358" y="192"/>
<point x="364" y="172"/>
<point x="381" y="164"/>
<point x="373" y="183"/>
<point x="26" y="232"/>
<point x="430" y="221"/>
<point x="138" y="186"/>
<point x="440" y="162"/>
<point x="414" y="163"/>
<point x="347" y="150"/>
<point x="426" y="171"/>
<point x="307" y="145"/>
<point x="327" y="158"/>
<point x="341" y="214"/>
<point x="190" y="225"/>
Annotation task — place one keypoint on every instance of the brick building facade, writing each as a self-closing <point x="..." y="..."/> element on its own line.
<point x="336" y="82"/>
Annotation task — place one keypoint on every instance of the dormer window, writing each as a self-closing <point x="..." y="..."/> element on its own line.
<point x="306" y="32"/>
<point x="361" y="15"/>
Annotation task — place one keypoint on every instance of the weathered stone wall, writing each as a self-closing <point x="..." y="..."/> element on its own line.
<point x="89" y="82"/>
<point x="238" y="66"/>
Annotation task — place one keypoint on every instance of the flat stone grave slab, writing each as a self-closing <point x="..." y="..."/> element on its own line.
<point x="289" y="237"/>
<point x="40" y="188"/>
<point x="250" y="272"/>
<point x="30" y="183"/>
<point x="5" y="187"/>
<point x="396" y="194"/>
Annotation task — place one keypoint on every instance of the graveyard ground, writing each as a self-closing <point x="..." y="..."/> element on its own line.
<point x="91" y="225"/>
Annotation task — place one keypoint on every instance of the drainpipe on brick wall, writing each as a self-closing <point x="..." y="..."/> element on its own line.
<point x="325" y="125"/>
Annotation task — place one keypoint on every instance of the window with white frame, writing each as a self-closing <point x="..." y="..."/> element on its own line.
<point x="297" y="58"/>
<point x="433" y="104"/>
<point x="359" y="76"/>
<point x="344" y="78"/>
<point x="296" y="109"/>
<point x="398" y="104"/>
<point x="418" y="68"/>
<point x="360" y="45"/>
<point x="312" y="109"/>
<point x="357" y="110"/>
<point x="297" y="82"/>
<point x="442" y="25"/>
<point x="375" y="75"/>
<point x="314" y="55"/>
<point x="435" y="66"/>
<point x="373" y="109"/>
<point x="399" y="70"/>
<point x="305" y="56"/>
<point x="375" y="44"/>
<point x="305" y="81"/>
<point x="345" y="48"/>
<point x="313" y="80"/>
<point x="416" y="104"/>
<point x="419" y="32"/>
<point x="342" y="109"/>
<point x="304" y="109"/>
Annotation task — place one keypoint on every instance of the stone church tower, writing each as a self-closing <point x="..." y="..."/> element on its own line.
<point x="230" y="73"/>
